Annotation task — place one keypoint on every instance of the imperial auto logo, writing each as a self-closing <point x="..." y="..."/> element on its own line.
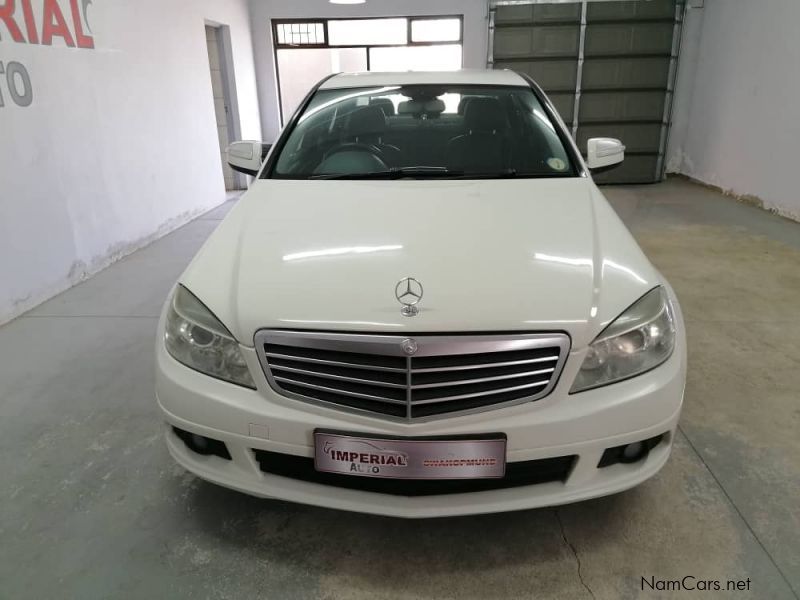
<point x="52" y="24"/>
<point x="370" y="460"/>
<point x="409" y="458"/>
<point x="25" y="23"/>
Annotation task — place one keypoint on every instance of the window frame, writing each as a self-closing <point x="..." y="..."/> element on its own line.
<point x="327" y="44"/>
<point x="367" y="47"/>
<point x="278" y="22"/>
<point x="460" y="39"/>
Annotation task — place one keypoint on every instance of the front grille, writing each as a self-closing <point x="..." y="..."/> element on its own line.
<point x="518" y="474"/>
<point x="446" y="374"/>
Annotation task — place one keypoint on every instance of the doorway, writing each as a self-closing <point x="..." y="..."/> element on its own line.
<point x="308" y="50"/>
<point x="224" y="106"/>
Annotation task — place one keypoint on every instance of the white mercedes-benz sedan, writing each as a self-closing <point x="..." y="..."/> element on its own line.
<point x="423" y="306"/>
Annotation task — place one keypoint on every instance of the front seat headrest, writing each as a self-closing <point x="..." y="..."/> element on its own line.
<point x="484" y="115"/>
<point x="367" y="120"/>
<point x="385" y="104"/>
<point x="464" y="103"/>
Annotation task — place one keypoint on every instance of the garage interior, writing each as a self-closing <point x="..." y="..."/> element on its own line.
<point x="111" y="179"/>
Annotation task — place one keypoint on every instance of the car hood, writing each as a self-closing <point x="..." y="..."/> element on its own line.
<point x="492" y="255"/>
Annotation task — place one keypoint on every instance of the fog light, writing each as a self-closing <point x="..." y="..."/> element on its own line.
<point x="203" y="445"/>
<point x="632" y="452"/>
<point x="199" y="442"/>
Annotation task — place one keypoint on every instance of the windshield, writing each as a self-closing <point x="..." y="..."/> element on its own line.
<point x="423" y="132"/>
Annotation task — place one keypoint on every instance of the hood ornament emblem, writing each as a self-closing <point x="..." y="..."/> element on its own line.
<point x="409" y="346"/>
<point x="408" y="292"/>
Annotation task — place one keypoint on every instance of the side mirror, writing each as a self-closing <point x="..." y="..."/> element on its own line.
<point x="247" y="157"/>
<point x="603" y="154"/>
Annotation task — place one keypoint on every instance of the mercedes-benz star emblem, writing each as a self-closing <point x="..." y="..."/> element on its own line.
<point x="409" y="346"/>
<point x="408" y="292"/>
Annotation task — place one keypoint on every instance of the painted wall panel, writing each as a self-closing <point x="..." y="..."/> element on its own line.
<point x="624" y="38"/>
<point x="630" y="106"/>
<point x="550" y="74"/>
<point x="536" y="41"/>
<point x="736" y="111"/>
<point x="537" y="13"/>
<point x="625" y="9"/>
<point x="603" y="73"/>
<point x="119" y="143"/>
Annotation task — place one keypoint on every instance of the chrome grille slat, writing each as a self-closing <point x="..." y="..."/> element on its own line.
<point x="338" y="377"/>
<point x="422" y="386"/>
<point x="511" y="363"/>
<point x="334" y="363"/>
<point x="479" y="394"/>
<point x="447" y="375"/>
<point x="323" y="388"/>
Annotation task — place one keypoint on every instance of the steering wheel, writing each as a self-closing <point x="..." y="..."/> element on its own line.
<point x="356" y="147"/>
<point x="352" y="157"/>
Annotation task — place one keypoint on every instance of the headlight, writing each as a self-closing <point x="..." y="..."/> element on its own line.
<point x="639" y="339"/>
<point x="196" y="338"/>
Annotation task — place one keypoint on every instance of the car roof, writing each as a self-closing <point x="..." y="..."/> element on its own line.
<point x="463" y="77"/>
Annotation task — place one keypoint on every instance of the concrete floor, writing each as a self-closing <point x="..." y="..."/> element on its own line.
<point x="91" y="505"/>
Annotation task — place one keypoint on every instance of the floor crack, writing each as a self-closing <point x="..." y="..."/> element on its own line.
<point x="574" y="553"/>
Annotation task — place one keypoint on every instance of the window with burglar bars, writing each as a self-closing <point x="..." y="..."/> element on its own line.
<point x="369" y="32"/>
<point x="308" y="49"/>
<point x="310" y="33"/>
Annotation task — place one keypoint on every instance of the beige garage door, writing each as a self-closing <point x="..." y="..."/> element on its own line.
<point x="609" y="68"/>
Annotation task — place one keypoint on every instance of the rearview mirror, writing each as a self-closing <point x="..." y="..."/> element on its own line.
<point x="603" y="154"/>
<point x="247" y="157"/>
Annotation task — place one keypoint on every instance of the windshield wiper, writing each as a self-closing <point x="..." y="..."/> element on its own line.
<point x="401" y="173"/>
<point x="434" y="172"/>
<point x="504" y="174"/>
<point x="511" y="173"/>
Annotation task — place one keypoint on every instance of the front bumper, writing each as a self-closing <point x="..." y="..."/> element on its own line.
<point x="584" y="425"/>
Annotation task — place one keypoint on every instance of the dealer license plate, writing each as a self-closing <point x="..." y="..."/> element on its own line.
<point x="410" y="458"/>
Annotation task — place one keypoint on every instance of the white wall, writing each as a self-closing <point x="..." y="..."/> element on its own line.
<point x="736" y="123"/>
<point x="263" y="11"/>
<point x="119" y="145"/>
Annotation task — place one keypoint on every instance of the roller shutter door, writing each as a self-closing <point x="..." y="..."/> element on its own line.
<point x="612" y="62"/>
